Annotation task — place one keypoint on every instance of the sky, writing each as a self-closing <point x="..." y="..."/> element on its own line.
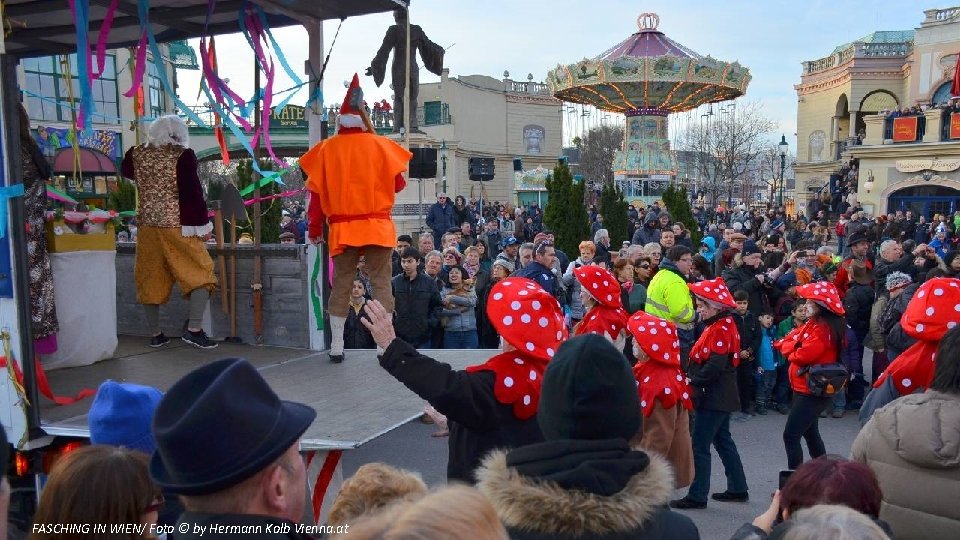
<point x="489" y="37"/>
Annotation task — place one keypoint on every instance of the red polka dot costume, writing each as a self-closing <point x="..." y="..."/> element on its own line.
<point x="812" y="343"/>
<point x="607" y="317"/>
<point x="659" y="378"/>
<point x="530" y="319"/>
<point x="721" y="337"/>
<point x="933" y="310"/>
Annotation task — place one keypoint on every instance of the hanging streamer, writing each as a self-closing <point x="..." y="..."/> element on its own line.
<point x="217" y="129"/>
<point x="102" y="38"/>
<point x="81" y="20"/>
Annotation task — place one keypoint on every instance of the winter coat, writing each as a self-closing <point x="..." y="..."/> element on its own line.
<point x="487" y="334"/>
<point x="714" y="384"/>
<point x="478" y="422"/>
<point x="667" y="432"/>
<point x="462" y="317"/>
<point x="744" y="278"/>
<point x="913" y="446"/>
<point x="882" y="269"/>
<point x="748" y="326"/>
<point x="537" y="508"/>
<point x="573" y="286"/>
<point x="858" y="303"/>
<point x="542" y="275"/>
<point x="355" y="334"/>
<point x="440" y="218"/>
<point x="668" y="296"/>
<point x="809" y="345"/>
<point x="646" y="234"/>
<point x="416" y="302"/>
<point x="876" y="341"/>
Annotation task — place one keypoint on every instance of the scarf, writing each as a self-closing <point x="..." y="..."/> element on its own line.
<point x="603" y="320"/>
<point x="517" y="381"/>
<point x="913" y="369"/>
<point x="719" y="337"/>
<point x="659" y="382"/>
<point x="471" y="269"/>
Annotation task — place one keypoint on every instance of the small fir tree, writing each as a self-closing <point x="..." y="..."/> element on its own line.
<point x="614" y="211"/>
<point x="270" y="211"/>
<point x="678" y="205"/>
<point x="566" y="213"/>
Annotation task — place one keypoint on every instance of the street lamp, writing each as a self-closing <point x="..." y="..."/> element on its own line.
<point x="443" y="161"/>
<point x="783" y="164"/>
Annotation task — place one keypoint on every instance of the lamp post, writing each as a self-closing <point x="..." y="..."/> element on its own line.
<point x="443" y="162"/>
<point x="783" y="164"/>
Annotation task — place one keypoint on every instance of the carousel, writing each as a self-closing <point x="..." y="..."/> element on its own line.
<point x="647" y="77"/>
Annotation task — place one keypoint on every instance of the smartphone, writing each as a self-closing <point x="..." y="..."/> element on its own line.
<point x="784" y="476"/>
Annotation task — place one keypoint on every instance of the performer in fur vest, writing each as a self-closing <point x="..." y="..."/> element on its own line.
<point x="665" y="396"/>
<point x="353" y="179"/>
<point x="173" y="228"/>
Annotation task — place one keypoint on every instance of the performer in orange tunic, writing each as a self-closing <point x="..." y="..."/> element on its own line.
<point x="353" y="179"/>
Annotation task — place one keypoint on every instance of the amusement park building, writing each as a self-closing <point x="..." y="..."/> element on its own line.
<point x="843" y="118"/>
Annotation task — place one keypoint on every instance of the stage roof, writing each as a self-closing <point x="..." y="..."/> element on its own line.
<point x="44" y="27"/>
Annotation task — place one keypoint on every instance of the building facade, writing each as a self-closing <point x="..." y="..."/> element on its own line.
<point x="847" y="104"/>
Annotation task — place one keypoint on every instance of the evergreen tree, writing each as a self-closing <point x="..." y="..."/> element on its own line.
<point x="270" y="211"/>
<point x="614" y="211"/>
<point x="678" y="205"/>
<point x="124" y="198"/>
<point x="566" y="213"/>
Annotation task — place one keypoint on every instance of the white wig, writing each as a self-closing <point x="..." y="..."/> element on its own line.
<point x="169" y="129"/>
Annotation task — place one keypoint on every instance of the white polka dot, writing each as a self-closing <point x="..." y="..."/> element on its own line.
<point x="920" y="328"/>
<point x="676" y="344"/>
<point x="606" y="283"/>
<point x="669" y="332"/>
<point x="921" y="294"/>
<point x="595" y="286"/>
<point x="531" y="287"/>
<point x="523" y="293"/>
<point x="609" y="297"/>
<point x="655" y="347"/>
<point x="938" y="292"/>
<point x="544" y="322"/>
<point x="515" y="305"/>
<point x="907" y="383"/>
<point x="613" y="327"/>
<point x="666" y="356"/>
<point x="930" y="311"/>
<point x="559" y="334"/>
<point x="663" y="324"/>
<point x="666" y="391"/>
<point x="526" y="400"/>
<point x="498" y="296"/>
<point x="535" y="304"/>
<point x="708" y="289"/>
<point x="686" y="395"/>
<point x="646" y="379"/>
<point x="805" y="336"/>
<point x="508" y="320"/>
<point x="508" y="283"/>
<point x="518" y="361"/>
<point x="653" y="331"/>
<point x="706" y="350"/>
<point x="643" y="403"/>
<point x="719" y="344"/>
<point x="508" y="382"/>
<point x="641" y="329"/>
<point x="533" y="375"/>
<point x="951" y="324"/>
<point x="530" y="346"/>
<point x="597" y="273"/>
<point x="592" y="317"/>
<point x="525" y="318"/>
<point x="956" y="307"/>
<point x="550" y="352"/>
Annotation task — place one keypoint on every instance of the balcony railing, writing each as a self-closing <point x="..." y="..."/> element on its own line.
<point x="888" y="130"/>
<point x="858" y="50"/>
<point x="531" y="87"/>
<point x="941" y="15"/>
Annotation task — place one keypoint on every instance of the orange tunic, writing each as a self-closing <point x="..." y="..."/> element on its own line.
<point x="353" y="179"/>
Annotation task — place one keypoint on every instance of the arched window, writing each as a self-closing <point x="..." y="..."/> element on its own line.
<point x="942" y="95"/>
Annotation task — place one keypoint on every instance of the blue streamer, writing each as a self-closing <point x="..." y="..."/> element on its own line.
<point x="82" y="23"/>
<point x="276" y="48"/>
<point x="7" y="193"/>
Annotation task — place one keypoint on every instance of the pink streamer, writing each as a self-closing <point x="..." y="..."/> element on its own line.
<point x="139" y="67"/>
<point x="102" y="38"/>
<point x="252" y="23"/>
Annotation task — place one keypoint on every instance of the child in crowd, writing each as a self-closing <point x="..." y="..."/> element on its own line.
<point x="749" y="328"/>
<point x="355" y="335"/>
<point x="766" y="362"/>
<point x="782" y="391"/>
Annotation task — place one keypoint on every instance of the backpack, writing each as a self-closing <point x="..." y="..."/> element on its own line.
<point x="841" y="229"/>
<point x="826" y="379"/>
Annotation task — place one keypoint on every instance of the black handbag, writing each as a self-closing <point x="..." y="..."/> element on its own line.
<point x="826" y="379"/>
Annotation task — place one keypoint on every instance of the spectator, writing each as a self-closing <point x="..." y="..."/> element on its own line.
<point x="602" y="240"/>
<point x="597" y="224"/>
<point x="540" y="268"/>
<point x="374" y="487"/>
<point x="525" y="255"/>
<point x="913" y="445"/>
<point x="655" y="252"/>
<point x="899" y="299"/>
<point x="479" y="418"/>
<point x="713" y="377"/>
<point x="355" y="335"/>
<point x="819" y="341"/>
<point x="510" y="247"/>
<point x="458" y="315"/>
<point x="425" y="244"/>
<point x="98" y="485"/>
<point x="749" y="277"/>
<point x="644" y="274"/>
<point x="858" y="305"/>
<point x="584" y="481"/>
<point x="665" y="396"/>
<point x="668" y="297"/>
<point x="403" y="242"/>
<point x="708" y="248"/>
<point x="649" y="233"/>
<point x="242" y="465"/>
<point x="417" y="301"/>
<point x="120" y="415"/>
<point x="667" y="239"/>
<point x="859" y="246"/>
<point x="440" y="216"/>
<point x="624" y="271"/>
<point x="485" y="261"/>
<point x="489" y="338"/>
<point x="600" y="296"/>
<point x="587" y="251"/>
<point x="766" y="363"/>
<point x="826" y="480"/>
<point x="467" y="237"/>
<point x="474" y="268"/>
<point x="748" y="326"/>
<point x="893" y="259"/>
<point x="736" y="243"/>
<point x="491" y="236"/>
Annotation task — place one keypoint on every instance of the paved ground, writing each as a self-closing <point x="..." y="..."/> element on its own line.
<point x="759" y="441"/>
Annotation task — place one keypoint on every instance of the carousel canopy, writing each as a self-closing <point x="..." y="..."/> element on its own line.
<point x="43" y="27"/>
<point x="648" y="71"/>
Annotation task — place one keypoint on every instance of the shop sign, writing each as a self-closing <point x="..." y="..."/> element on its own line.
<point x="917" y="165"/>
<point x="292" y="116"/>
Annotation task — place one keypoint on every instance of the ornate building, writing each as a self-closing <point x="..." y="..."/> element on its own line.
<point x="845" y="119"/>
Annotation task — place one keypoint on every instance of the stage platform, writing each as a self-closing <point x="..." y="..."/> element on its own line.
<point x="356" y="401"/>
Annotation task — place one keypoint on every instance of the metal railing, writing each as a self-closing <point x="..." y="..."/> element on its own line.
<point x="531" y="87"/>
<point x="858" y="50"/>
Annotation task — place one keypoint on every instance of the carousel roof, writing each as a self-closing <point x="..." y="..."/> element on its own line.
<point x="648" y="70"/>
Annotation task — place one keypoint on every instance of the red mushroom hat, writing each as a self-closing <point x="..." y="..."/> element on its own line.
<point x="933" y="310"/>
<point x="715" y="291"/>
<point x="659" y="378"/>
<point x="527" y="317"/>
<point x="601" y="284"/>
<point x="656" y="337"/>
<point x="824" y="294"/>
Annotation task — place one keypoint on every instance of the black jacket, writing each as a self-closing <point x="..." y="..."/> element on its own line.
<point x="714" y="384"/>
<point x="355" y="334"/>
<point x="882" y="269"/>
<point x="200" y="525"/>
<point x="478" y="422"/>
<point x="858" y="303"/>
<point x="545" y="491"/>
<point x="744" y="278"/>
<point x="749" y="327"/>
<point x="415" y="303"/>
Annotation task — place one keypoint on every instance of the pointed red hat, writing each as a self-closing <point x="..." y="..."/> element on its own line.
<point x="824" y="294"/>
<point x="601" y="284"/>
<point x="656" y="337"/>
<point x="714" y="290"/>
<point x="350" y="111"/>
<point x="527" y="317"/>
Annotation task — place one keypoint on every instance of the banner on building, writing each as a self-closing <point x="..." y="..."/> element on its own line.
<point x="955" y="126"/>
<point x="905" y="129"/>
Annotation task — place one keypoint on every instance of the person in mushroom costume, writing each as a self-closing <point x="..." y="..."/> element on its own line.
<point x="934" y="309"/>
<point x="494" y="404"/>
<point x="665" y="396"/>
<point x="604" y="313"/>
<point x="713" y="376"/>
<point x="820" y="340"/>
